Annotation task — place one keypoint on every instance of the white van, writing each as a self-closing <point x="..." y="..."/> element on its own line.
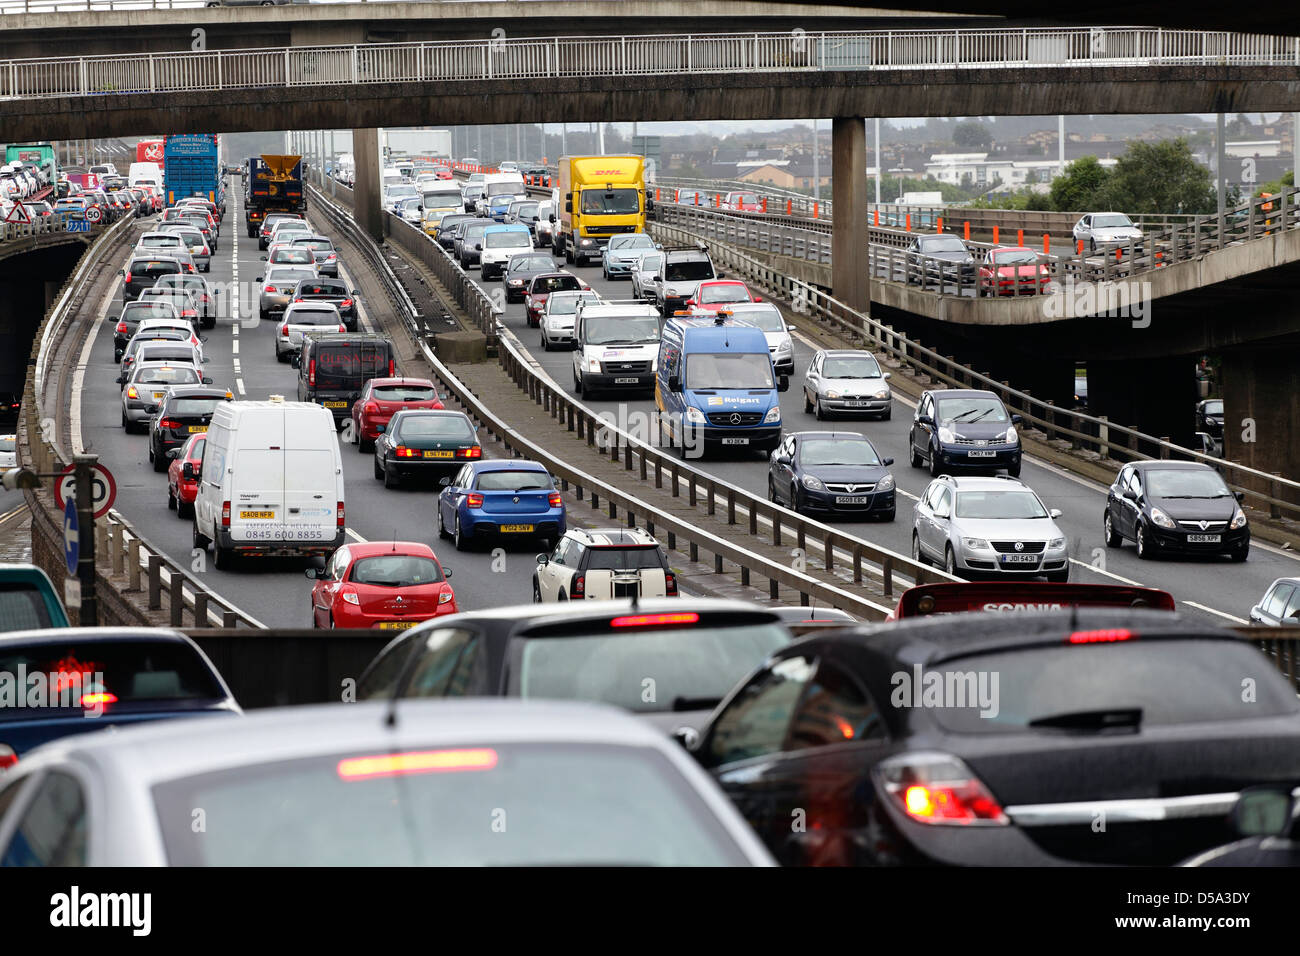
<point x="616" y="345"/>
<point x="441" y="194"/>
<point x="271" y="481"/>
<point x="145" y="174"/>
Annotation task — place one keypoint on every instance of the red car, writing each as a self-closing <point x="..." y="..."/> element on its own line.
<point x="541" y="286"/>
<point x="183" y="488"/>
<point x="443" y="172"/>
<point x="381" y="398"/>
<point x="391" y="585"/>
<point x="715" y="294"/>
<point x="742" y="202"/>
<point x="1012" y="270"/>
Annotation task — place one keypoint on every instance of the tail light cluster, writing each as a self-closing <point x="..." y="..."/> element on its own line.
<point x="7" y="756"/>
<point x="169" y="423"/>
<point x="131" y="392"/>
<point x="121" y="328"/>
<point x="670" y="584"/>
<point x="284" y="330"/>
<point x="225" y="514"/>
<point x="939" y="789"/>
<point x="474" y="501"/>
<point x="555" y="500"/>
<point x="371" y="408"/>
<point x="338" y="520"/>
<point x="311" y="372"/>
<point x="401" y="451"/>
<point x="579" y="586"/>
<point x="346" y="304"/>
<point x="475" y="452"/>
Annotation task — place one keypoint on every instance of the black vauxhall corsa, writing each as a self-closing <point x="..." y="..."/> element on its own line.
<point x="1181" y="507"/>
<point x="990" y="739"/>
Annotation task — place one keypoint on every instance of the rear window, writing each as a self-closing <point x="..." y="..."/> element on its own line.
<point x="132" y="671"/>
<point x="293" y="255"/>
<point x="569" y="804"/>
<point x="435" y="426"/>
<point x="404" y="393"/>
<point x="166" y="354"/>
<point x="692" y="667"/>
<point x="1170" y="681"/>
<point x="312" y="317"/>
<point x="22" y="607"/>
<point x="396" y="571"/>
<point x="625" y="558"/>
<point x="512" y="480"/>
<point x="181" y="375"/>
<point x="154" y="267"/>
<point x="332" y="289"/>
<point x="6" y="444"/>
<point x="193" y="406"/>
<point x="723" y="293"/>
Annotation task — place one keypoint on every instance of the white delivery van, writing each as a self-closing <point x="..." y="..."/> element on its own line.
<point x="271" y="481"/>
<point x="616" y="346"/>
<point x="145" y="174"/>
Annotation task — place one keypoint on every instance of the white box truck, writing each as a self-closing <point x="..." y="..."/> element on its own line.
<point x="271" y="481"/>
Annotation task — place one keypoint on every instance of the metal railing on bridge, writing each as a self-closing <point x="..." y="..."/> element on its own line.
<point x="640" y="55"/>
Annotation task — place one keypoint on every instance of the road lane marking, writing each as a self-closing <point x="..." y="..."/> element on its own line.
<point x="79" y="377"/>
<point x="355" y="537"/>
<point x="239" y="383"/>
<point x="234" y="347"/>
<point x="1109" y="574"/>
<point x="13" y="514"/>
<point x="1210" y="610"/>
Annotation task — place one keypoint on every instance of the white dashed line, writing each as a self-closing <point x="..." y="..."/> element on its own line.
<point x="239" y="384"/>
<point x="234" y="347"/>
<point x="1109" y="574"/>
<point x="1210" y="610"/>
<point x="355" y="537"/>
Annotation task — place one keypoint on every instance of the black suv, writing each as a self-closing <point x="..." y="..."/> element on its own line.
<point x="333" y="368"/>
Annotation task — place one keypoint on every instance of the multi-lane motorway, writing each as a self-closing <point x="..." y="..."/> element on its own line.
<point x="241" y="357"/>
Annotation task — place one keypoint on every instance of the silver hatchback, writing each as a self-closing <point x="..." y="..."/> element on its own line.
<point x="989" y="527"/>
<point x="846" y="382"/>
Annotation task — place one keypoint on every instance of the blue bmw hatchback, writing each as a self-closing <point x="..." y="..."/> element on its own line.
<point x="500" y="499"/>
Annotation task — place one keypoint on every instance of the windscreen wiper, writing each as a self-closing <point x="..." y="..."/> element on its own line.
<point x="1117" y="718"/>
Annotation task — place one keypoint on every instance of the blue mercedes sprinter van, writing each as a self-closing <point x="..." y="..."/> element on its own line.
<point x="715" y="387"/>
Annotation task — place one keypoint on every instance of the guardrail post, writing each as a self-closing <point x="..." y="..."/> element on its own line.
<point x="200" y="608"/>
<point x="229" y="620"/>
<point x="776" y="525"/>
<point x="176" y="596"/>
<point x="887" y="569"/>
<point x="744" y="576"/>
<point x="154" y="571"/>
<point x="676" y="479"/>
<point x="1164" y="447"/>
<point x="133" y="564"/>
<point x="101" y="542"/>
<point x="731" y="506"/>
<point x="1103" y="437"/>
<point x="1275" y="491"/>
<point x="115" y="546"/>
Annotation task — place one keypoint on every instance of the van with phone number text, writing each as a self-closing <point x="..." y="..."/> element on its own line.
<point x="716" y="387"/>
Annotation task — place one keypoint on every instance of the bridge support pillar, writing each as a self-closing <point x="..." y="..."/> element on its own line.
<point x="1157" y="396"/>
<point x="367" y="202"/>
<point x="850" y="269"/>
<point x="1261" y="410"/>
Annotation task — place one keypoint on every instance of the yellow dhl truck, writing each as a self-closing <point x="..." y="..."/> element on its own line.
<point x="599" y="197"/>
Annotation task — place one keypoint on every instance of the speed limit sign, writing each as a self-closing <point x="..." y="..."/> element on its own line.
<point x="93" y="214"/>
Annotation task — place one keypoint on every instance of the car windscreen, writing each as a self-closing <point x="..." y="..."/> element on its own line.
<point x="508" y="240"/>
<point x="576" y="804"/>
<point x="691" y="270"/>
<point x="710" y="294"/>
<point x="728" y="370"/>
<point x="545" y="285"/>
<point x="864" y="366"/>
<point x="1214" y="408"/>
<point x="442" y="427"/>
<point x="348" y="365"/>
<point x="22" y="608"/>
<point x="631" y="242"/>
<point x="126" y="671"/>
<point x="567" y="304"/>
<point x="833" y="451"/>
<point x="620" y="330"/>
<point x="1168" y="682"/>
<point x="171" y="375"/>
<point x="527" y="263"/>
<point x="1185" y="483"/>
<point x="512" y="480"/>
<point x="1015" y="257"/>
<point x="193" y="406"/>
<point x="971" y="410"/>
<point x="999" y="504"/>
<point x="1112" y="221"/>
<point x="403" y="393"/>
<point x="689" y="664"/>
<point x="611" y="201"/>
<point x="942" y="244"/>
<point x="396" y="571"/>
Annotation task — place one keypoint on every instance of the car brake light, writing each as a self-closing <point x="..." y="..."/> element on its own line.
<point x="371" y="408"/>
<point x="421" y="761"/>
<point x="579" y="586"/>
<point x="269" y="288"/>
<point x="401" y="451"/>
<point x="97" y="699"/>
<point x="225" y="514"/>
<point x="339" y="515"/>
<point x="392" y="368"/>
<point x="474" y="501"/>
<point x="346" y="303"/>
<point x="121" y="327"/>
<point x="342" y="327"/>
<point x="311" y="372"/>
<point x="655" y="620"/>
<point x="128" y="277"/>
<point x="475" y="452"/>
<point x="1108" y="636"/>
<point x="670" y="584"/>
<point x="169" y="423"/>
<point x="284" y="330"/>
<point x="350" y="597"/>
<point x="939" y="789"/>
<point x="7" y="756"/>
<point x="446" y="597"/>
<point x="555" y="500"/>
<point x="131" y="392"/>
<point x="299" y="299"/>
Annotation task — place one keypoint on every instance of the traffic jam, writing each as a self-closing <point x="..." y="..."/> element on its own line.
<point x="608" y="705"/>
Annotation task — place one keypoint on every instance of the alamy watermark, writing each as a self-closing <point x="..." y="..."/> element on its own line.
<point x="1077" y="300"/>
<point x="63" y="687"/>
<point x="946" y="689"/>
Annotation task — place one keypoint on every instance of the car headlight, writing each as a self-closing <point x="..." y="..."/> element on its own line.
<point x="773" y="415"/>
<point x="784" y="345"/>
<point x="883" y="393"/>
<point x="593" y="365"/>
<point x="693" y="414"/>
<point x="588" y="242"/>
<point x="831" y="393"/>
<point x="516" y="281"/>
<point x="1238" y="520"/>
<point x="813" y="484"/>
<point x="1161" y="519"/>
<point x="1011" y="436"/>
<point x="945" y="434"/>
<point x="976" y="544"/>
<point x="886" y="483"/>
<point x="1056" y="544"/>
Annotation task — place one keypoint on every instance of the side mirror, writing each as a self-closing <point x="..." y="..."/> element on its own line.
<point x="1130" y="494"/>
<point x="189" y="472"/>
<point x="478" y="247"/>
<point x="568" y="207"/>
<point x="887" y="375"/>
<point x="688" y="737"/>
<point x="720" y="275"/>
<point x="207" y="380"/>
<point x="121" y="272"/>
<point x="1240" y="496"/>
<point x="263" y="258"/>
<point x="674" y="383"/>
<point x="783" y="383"/>
<point x="886" y="462"/>
<point x="924" y="420"/>
<point x="1263" y="811"/>
<point x="691" y="302"/>
<point x="552" y="217"/>
<point x="174" y="454"/>
<point x="446" y="572"/>
<point x="259" y="278"/>
<point x="296" y="360"/>
<point x="445" y="482"/>
<point x="311" y="573"/>
<point x="121" y="380"/>
<point x="356" y="292"/>
<point x="1016" y="419"/>
<point x="1055" y="513"/>
<point x="543" y="559"/>
<point x="757" y="299"/>
<point x="789" y="327"/>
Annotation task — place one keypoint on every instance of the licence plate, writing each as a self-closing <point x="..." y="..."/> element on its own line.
<point x="626" y="381"/>
<point x="195" y="429"/>
<point x="857" y="404"/>
<point x="1019" y="559"/>
<point x="336" y="404"/>
<point x="1204" y="538"/>
<point x="982" y="454"/>
<point x="517" y="528"/>
<point x="396" y="625"/>
<point x="439" y="454"/>
<point x="735" y="441"/>
<point x="257" y="514"/>
<point x="159" y="394"/>
<point x="851" y="500"/>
